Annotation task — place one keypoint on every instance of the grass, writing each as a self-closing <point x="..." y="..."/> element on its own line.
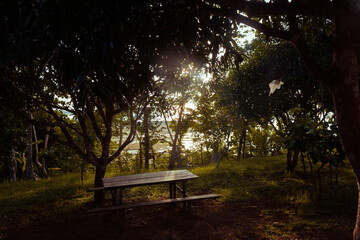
<point x="285" y="200"/>
<point x="24" y="198"/>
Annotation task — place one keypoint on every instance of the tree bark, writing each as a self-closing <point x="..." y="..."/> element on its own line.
<point x="292" y="159"/>
<point x="303" y="163"/>
<point x="41" y="166"/>
<point x="146" y="137"/>
<point x="346" y="103"/>
<point x="239" y="149"/>
<point x="174" y="152"/>
<point x="119" y="146"/>
<point x="46" y="144"/>
<point x="214" y="156"/>
<point x="99" y="196"/>
<point x="12" y="165"/>
<point x="140" y="153"/>
<point x="201" y="153"/>
<point x="225" y="150"/>
<point x="344" y="87"/>
<point x="29" y="170"/>
<point x="244" y="143"/>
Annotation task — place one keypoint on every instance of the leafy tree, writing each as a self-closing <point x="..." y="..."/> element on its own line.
<point x="94" y="59"/>
<point x="176" y="93"/>
<point x="213" y="123"/>
<point x="149" y="132"/>
<point x="264" y="140"/>
<point x="292" y="21"/>
<point x="248" y="89"/>
<point x="13" y="143"/>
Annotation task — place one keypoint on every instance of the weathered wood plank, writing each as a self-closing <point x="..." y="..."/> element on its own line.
<point x="164" y="174"/>
<point x="142" y="182"/>
<point x="149" y="175"/>
<point x="148" y="178"/>
<point x="154" y="203"/>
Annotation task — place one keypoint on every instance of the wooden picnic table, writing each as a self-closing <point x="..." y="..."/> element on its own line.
<point x="117" y="184"/>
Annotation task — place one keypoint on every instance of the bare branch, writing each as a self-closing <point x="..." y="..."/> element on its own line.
<point x="129" y="138"/>
<point x="94" y="124"/>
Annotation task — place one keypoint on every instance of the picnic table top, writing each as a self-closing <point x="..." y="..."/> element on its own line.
<point x="148" y="178"/>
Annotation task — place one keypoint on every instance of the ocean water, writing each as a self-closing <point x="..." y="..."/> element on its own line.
<point x="189" y="142"/>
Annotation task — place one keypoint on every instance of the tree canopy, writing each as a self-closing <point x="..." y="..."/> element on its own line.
<point x="111" y="50"/>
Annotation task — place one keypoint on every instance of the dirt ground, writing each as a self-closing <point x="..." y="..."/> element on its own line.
<point x="206" y="220"/>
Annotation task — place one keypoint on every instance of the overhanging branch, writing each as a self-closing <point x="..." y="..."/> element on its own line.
<point x="252" y="23"/>
<point x="253" y="8"/>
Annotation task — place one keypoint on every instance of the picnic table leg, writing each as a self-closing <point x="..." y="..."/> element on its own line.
<point x="114" y="197"/>
<point x="174" y="186"/>
<point x="184" y="194"/>
<point x="122" y="211"/>
<point x="171" y="190"/>
<point x="184" y="188"/>
<point x="120" y="196"/>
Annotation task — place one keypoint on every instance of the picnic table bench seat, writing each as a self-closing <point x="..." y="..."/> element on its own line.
<point x="153" y="203"/>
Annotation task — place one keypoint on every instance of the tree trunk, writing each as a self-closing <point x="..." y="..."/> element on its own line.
<point x="46" y="144"/>
<point x="225" y="150"/>
<point x="174" y="152"/>
<point x="99" y="196"/>
<point x="346" y="102"/>
<point x="146" y="137"/>
<point x="119" y="145"/>
<point x="214" y="156"/>
<point x="320" y="181"/>
<point x="29" y="170"/>
<point x="343" y="82"/>
<point x="331" y="182"/>
<point x="303" y="163"/>
<point x="292" y="159"/>
<point x="12" y="165"/>
<point x="201" y="154"/>
<point x="336" y="179"/>
<point x="244" y="143"/>
<point x="239" y="149"/>
<point x="140" y="153"/>
<point x="82" y="170"/>
<point x="41" y="166"/>
<point x="311" y="171"/>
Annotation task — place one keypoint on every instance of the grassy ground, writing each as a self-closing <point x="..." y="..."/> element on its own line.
<point x="279" y="205"/>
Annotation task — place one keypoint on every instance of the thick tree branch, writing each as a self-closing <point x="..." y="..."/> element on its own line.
<point x="285" y="35"/>
<point x="294" y="36"/>
<point x="294" y="8"/>
<point x="94" y="124"/>
<point x="99" y="108"/>
<point x="129" y="138"/>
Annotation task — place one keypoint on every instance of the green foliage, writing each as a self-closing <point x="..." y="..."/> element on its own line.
<point x="264" y="141"/>
<point x="13" y="136"/>
<point x="248" y="89"/>
<point x="246" y="93"/>
<point x="213" y="122"/>
<point x="320" y="140"/>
